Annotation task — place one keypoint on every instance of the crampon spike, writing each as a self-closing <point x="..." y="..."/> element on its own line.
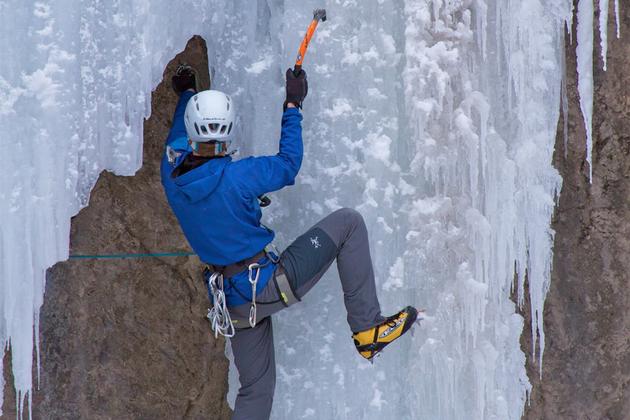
<point x="374" y="356"/>
<point x="421" y="313"/>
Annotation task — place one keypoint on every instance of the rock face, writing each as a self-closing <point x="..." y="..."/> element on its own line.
<point x="128" y="338"/>
<point x="586" y="366"/>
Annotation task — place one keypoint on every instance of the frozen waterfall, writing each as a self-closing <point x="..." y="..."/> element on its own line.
<point x="436" y="119"/>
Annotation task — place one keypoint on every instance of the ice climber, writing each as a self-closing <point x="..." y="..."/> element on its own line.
<point x="215" y="199"/>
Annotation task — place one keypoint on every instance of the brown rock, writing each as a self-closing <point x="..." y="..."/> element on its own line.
<point x="8" y="407"/>
<point x="586" y="366"/>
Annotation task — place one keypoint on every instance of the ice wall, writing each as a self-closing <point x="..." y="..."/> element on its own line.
<point x="436" y="119"/>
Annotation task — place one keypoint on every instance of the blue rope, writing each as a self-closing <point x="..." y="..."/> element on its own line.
<point x="124" y="256"/>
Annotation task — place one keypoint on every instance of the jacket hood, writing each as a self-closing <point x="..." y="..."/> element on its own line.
<point x="202" y="181"/>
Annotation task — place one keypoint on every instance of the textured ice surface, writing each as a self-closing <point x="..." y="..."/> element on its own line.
<point x="441" y="133"/>
<point x="436" y="119"/>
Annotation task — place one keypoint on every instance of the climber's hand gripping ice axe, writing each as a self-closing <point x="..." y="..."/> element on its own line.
<point x="318" y="14"/>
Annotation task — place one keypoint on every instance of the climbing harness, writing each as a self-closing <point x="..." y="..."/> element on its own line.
<point x="219" y="315"/>
<point x="253" y="275"/>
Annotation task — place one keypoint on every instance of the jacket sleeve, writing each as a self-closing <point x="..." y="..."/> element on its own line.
<point x="177" y="137"/>
<point x="260" y="175"/>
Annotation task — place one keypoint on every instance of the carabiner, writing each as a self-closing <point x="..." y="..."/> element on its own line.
<point x="253" y="280"/>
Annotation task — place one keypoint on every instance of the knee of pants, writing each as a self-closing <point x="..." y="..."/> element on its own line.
<point x="258" y="378"/>
<point x="260" y="387"/>
<point x="353" y="217"/>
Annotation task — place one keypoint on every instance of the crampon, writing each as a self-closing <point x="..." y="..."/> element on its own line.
<point x="371" y="342"/>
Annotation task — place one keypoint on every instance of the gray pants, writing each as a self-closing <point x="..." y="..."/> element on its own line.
<point x="341" y="235"/>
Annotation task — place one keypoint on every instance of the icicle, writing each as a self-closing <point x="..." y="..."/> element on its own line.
<point x="603" y="29"/>
<point x="569" y="22"/>
<point x="585" y="74"/>
<point x="617" y="18"/>
<point x="482" y="16"/>
<point x="565" y="101"/>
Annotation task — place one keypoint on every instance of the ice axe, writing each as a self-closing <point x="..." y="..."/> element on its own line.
<point x="318" y="14"/>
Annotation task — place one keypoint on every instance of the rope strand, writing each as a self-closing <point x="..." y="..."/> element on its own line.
<point x="125" y="256"/>
<point x="219" y="315"/>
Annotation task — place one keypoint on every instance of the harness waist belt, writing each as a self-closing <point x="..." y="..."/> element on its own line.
<point x="233" y="269"/>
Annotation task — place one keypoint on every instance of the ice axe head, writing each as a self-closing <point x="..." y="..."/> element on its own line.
<point x="319" y="14"/>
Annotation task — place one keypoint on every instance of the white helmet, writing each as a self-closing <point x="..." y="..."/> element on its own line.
<point x="210" y="116"/>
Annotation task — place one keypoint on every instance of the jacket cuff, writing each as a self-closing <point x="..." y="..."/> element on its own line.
<point x="291" y="111"/>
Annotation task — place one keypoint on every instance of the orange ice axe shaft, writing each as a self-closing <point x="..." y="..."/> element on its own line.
<point x="318" y="14"/>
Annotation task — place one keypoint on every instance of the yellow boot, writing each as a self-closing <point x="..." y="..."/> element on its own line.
<point x="371" y="341"/>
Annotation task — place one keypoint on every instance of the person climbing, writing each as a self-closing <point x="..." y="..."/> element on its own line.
<point x="216" y="201"/>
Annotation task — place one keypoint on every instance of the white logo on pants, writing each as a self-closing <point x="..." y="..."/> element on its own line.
<point x="315" y="242"/>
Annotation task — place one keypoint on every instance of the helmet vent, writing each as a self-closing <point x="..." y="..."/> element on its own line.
<point x="229" y="129"/>
<point x="228" y="106"/>
<point x="223" y="128"/>
<point x="213" y="127"/>
<point x="197" y="129"/>
<point x="204" y="130"/>
<point x="197" y="106"/>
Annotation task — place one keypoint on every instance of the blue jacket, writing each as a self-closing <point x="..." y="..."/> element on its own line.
<point x="216" y="203"/>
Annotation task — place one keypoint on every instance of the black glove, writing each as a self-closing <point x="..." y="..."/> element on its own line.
<point x="297" y="88"/>
<point x="184" y="79"/>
